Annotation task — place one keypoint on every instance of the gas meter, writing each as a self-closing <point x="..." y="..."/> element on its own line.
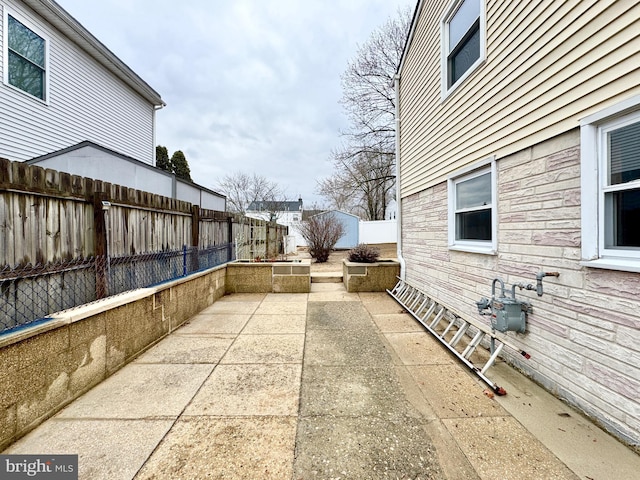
<point x="507" y="312"/>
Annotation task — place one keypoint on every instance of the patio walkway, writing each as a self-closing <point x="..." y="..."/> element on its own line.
<point x="326" y="385"/>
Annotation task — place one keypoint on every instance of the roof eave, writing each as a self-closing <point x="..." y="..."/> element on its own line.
<point x="70" y="27"/>
<point x="412" y="29"/>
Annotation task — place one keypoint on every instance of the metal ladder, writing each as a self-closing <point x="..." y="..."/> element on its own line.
<point x="449" y="328"/>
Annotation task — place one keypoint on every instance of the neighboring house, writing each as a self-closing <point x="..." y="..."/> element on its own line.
<point x="87" y="159"/>
<point x="61" y="86"/>
<point x="283" y="212"/>
<point x="519" y="152"/>
<point x="68" y="103"/>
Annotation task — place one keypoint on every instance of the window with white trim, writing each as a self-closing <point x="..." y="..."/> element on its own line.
<point x="472" y="209"/>
<point x="463" y="39"/>
<point x="25" y="56"/>
<point x="610" y="157"/>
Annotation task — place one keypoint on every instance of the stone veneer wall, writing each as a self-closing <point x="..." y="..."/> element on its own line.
<point x="45" y="367"/>
<point x="584" y="333"/>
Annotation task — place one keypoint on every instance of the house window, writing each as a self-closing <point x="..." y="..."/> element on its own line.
<point x="472" y="212"/>
<point x="25" y="59"/>
<point x="462" y="41"/>
<point x="610" y="156"/>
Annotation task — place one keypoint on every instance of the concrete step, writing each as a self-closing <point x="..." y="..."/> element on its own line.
<point x="326" y="277"/>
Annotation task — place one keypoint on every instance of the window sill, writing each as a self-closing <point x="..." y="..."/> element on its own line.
<point x="624" y="265"/>
<point x="474" y="249"/>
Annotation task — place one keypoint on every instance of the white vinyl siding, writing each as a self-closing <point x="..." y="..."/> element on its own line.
<point x="547" y="65"/>
<point x="84" y="102"/>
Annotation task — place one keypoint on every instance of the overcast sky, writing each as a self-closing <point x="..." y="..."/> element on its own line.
<point x="250" y="85"/>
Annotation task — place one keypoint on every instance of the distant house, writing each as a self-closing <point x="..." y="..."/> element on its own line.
<point x="283" y="212"/>
<point x="519" y="141"/>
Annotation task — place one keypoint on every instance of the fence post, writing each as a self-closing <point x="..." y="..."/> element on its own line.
<point x="184" y="260"/>
<point x="230" y="238"/>
<point x="195" y="237"/>
<point x="266" y="244"/>
<point x="100" y="245"/>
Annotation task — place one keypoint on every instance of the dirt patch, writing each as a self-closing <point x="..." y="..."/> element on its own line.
<point x="334" y="264"/>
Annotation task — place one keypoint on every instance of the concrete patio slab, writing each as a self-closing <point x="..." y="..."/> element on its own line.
<point x="187" y="349"/>
<point x="225" y="448"/>
<point x="236" y="390"/>
<point x="418" y="349"/>
<point x="334" y="347"/>
<point x="333" y="293"/>
<point x="215" y="324"/>
<point x="589" y="451"/>
<point x="141" y="391"/>
<point x="502" y="447"/>
<point x="367" y="447"/>
<point x="285" y="297"/>
<point x="369" y="402"/>
<point x="230" y="306"/>
<point x="454" y="393"/>
<point x="243" y="297"/>
<point x="396" y="323"/>
<point x="338" y="316"/>
<point x="106" y="449"/>
<point x="377" y="304"/>
<point x="286" y="348"/>
<point x="282" y="308"/>
<point x="350" y="390"/>
<point x="275" y="324"/>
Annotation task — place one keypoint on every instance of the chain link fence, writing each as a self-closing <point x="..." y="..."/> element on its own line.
<point x="32" y="293"/>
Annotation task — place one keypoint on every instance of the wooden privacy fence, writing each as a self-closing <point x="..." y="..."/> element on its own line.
<point x="50" y="218"/>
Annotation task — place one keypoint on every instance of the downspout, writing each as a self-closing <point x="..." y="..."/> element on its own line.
<point x="153" y="133"/>
<point x="403" y="270"/>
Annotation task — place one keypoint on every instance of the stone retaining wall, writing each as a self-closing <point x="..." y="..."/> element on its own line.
<point x="46" y="366"/>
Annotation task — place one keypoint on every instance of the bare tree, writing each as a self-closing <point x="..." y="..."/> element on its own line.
<point x="363" y="185"/>
<point x="365" y="163"/>
<point x="243" y="189"/>
<point x="337" y="190"/>
<point x="368" y="94"/>
<point x="321" y="232"/>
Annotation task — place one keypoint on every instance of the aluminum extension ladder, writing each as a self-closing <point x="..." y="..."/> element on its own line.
<point x="449" y="328"/>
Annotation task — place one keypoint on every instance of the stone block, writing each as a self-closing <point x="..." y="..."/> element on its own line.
<point x="373" y="277"/>
<point x="291" y="284"/>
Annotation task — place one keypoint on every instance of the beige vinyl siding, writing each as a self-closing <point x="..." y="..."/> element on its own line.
<point x="548" y="64"/>
<point x="84" y="102"/>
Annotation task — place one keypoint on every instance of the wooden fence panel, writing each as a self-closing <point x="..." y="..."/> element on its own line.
<point x="48" y="216"/>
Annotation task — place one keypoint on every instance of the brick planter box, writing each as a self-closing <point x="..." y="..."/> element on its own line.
<point x="370" y="277"/>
